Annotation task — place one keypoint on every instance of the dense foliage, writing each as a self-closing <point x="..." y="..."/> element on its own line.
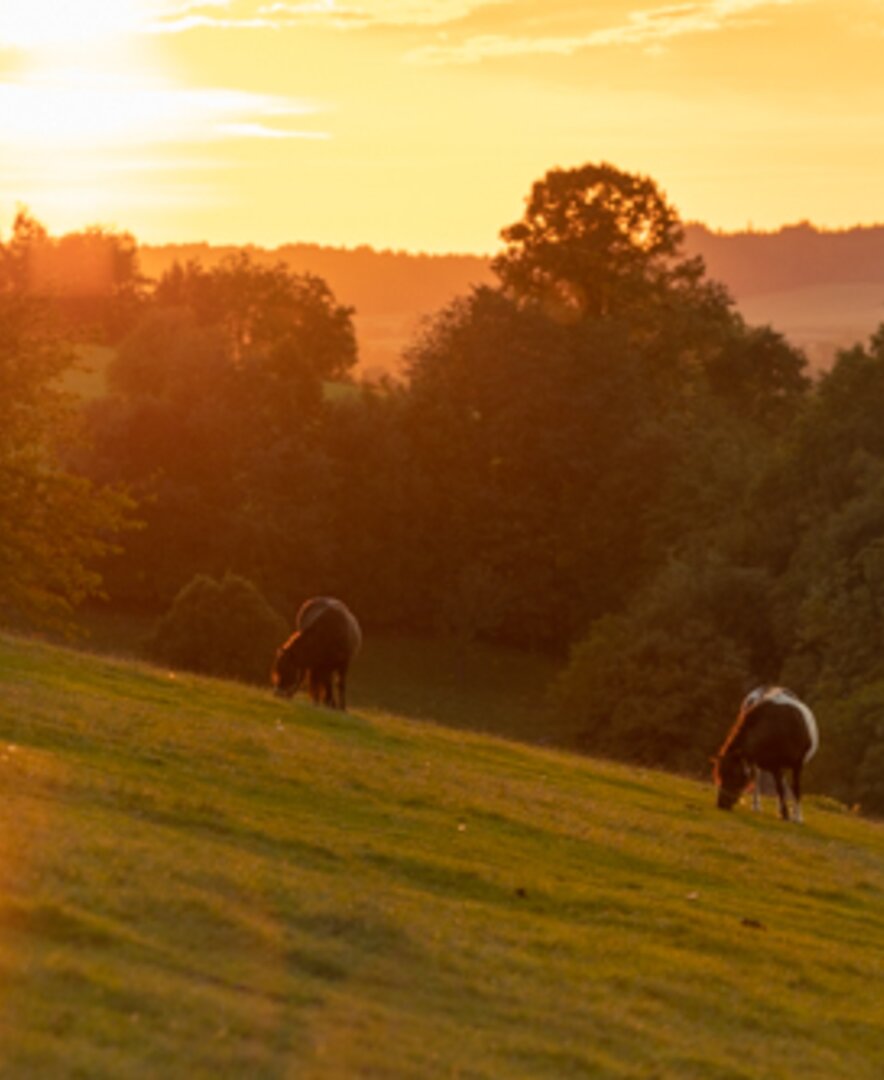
<point x="55" y="523"/>
<point x="595" y="456"/>
<point x="213" y="418"/>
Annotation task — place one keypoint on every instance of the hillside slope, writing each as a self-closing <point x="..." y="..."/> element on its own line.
<point x="197" y="879"/>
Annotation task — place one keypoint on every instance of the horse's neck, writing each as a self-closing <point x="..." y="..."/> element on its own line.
<point x="743" y="730"/>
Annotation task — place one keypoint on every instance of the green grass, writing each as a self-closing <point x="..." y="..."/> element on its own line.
<point x="473" y="686"/>
<point x="197" y="880"/>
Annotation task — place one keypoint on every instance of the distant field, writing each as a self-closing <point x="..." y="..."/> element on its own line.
<point x="197" y="880"/>
<point x="820" y="318"/>
<point x="86" y="378"/>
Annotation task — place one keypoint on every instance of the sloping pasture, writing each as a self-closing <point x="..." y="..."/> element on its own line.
<point x="197" y="880"/>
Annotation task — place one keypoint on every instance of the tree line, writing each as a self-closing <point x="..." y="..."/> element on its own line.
<point x="793" y="257"/>
<point x="594" y="456"/>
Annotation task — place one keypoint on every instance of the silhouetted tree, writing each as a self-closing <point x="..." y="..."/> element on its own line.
<point x="92" y="277"/>
<point x="596" y="242"/>
<point x="561" y="414"/>
<point x="266" y="312"/>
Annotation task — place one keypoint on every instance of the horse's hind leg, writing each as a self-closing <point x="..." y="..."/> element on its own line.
<point x="781" y="793"/>
<point x="796" y="793"/>
<point x="321" y="687"/>
<point x="756" y="788"/>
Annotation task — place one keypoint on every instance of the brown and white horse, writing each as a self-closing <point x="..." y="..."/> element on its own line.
<point x="774" y="731"/>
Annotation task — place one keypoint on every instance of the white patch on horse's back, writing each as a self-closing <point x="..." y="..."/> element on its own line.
<point x="785" y="697"/>
<point x="754" y="697"/>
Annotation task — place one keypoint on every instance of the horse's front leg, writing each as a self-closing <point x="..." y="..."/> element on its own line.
<point x="781" y="793"/>
<point x="756" y="789"/>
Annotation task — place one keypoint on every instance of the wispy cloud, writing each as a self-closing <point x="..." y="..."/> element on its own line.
<point x="253" y="130"/>
<point x="403" y="12"/>
<point x="29" y="20"/>
<point x="649" y="28"/>
<point x="177" y="16"/>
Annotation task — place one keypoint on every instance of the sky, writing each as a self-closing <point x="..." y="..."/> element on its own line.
<point x="421" y="124"/>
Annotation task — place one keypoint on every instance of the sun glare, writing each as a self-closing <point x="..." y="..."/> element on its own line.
<point x="74" y="108"/>
<point x="37" y="24"/>
<point x="70" y="108"/>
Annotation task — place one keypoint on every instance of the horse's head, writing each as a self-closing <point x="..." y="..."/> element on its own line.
<point x="288" y="669"/>
<point x="733" y="776"/>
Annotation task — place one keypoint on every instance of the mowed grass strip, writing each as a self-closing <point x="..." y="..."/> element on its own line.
<point x="199" y="880"/>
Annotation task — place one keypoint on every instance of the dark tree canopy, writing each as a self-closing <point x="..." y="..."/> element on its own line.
<point x="217" y="399"/>
<point x="545" y="447"/>
<point x="263" y="311"/>
<point x="571" y="417"/>
<point x="594" y="241"/>
<point x="91" y="278"/>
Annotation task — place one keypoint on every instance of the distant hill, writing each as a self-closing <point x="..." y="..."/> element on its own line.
<point x="823" y="290"/>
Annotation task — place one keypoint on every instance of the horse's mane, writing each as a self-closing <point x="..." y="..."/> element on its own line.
<point x="729" y="741"/>
<point x="750" y="703"/>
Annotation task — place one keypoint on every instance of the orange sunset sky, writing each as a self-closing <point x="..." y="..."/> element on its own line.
<point x="421" y="124"/>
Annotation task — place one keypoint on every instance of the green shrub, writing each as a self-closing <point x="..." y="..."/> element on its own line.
<point x="851" y="755"/>
<point x="223" y="628"/>
<point x="656" y="695"/>
<point x="661" y="683"/>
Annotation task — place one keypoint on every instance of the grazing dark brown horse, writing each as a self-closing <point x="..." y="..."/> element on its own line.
<point x="321" y="649"/>
<point x="774" y="731"/>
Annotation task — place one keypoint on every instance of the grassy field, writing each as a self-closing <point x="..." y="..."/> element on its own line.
<point x="478" y="687"/>
<point x="197" y="880"/>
